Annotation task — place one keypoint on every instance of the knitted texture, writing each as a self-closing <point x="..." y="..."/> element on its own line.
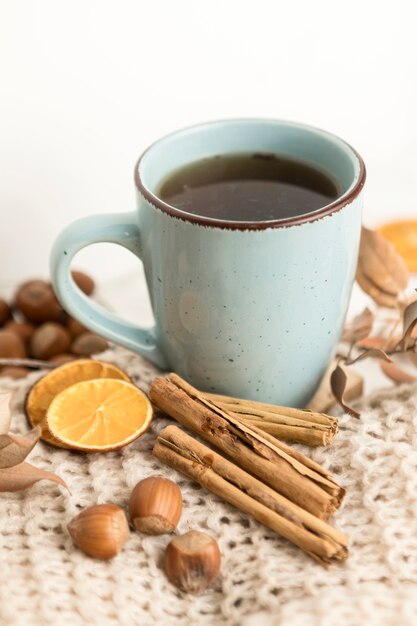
<point x="45" y="580"/>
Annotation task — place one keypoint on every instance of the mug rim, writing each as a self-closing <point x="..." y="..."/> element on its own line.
<point x="336" y="205"/>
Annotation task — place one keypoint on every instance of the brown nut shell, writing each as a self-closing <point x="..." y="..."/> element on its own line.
<point x="75" y="327"/>
<point x="37" y="302"/>
<point x="49" y="340"/>
<point x="155" y="505"/>
<point x="5" y="312"/>
<point x="87" y="344"/>
<point x="83" y="281"/>
<point x="11" y="345"/>
<point x="192" y="561"/>
<point x="100" y="531"/>
<point x="25" y="330"/>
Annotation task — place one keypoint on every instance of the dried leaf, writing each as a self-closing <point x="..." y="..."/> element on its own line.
<point x="323" y="399"/>
<point x="381" y="343"/>
<point x="5" y="411"/>
<point x="15" y="448"/>
<point x="373" y="353"/>
<point x="25" y="475"/>
<point x="412" y="357"/>
<point x="359" y="327"/>
<point x="409" y="323"/>
<point x="368" y="343"/>
<point x="381" y="264"/>
<point x="396" y="373"/>
<point x="406" y="300"/>
<point x="380" y="297"/>
<point x="338" y="381"/>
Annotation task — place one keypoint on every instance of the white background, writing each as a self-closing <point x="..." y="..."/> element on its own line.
<point x="86" y="85"/>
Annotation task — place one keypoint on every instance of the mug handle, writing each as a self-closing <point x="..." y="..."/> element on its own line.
<point x="119" y="228"/>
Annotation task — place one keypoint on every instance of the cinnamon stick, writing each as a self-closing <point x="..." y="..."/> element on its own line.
<point x="286" y="470"/>
<point x="317" y="538"/>
<point x="31" y="363"/>
<point x="301" y="425"/>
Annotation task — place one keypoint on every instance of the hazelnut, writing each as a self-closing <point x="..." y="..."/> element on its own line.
<point x="11" y="346"/>
<point x="192" y="561"/>
<point x="60" y="359"/>
<point x="37" y="302"/>
<point x="83" y="281"/>
<point x="100" y="531"/>
<point x="87" y="344"/>
<point x="75" y="327"/>
<point x="25" y="330"/>
<point x="14" y="372"/>
<point x="49" y="340"/>
<point x="155" y="505"/>
<point x="5" y="312"/>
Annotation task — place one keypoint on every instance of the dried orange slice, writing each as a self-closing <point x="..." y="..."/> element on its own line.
<point x="44" y="391"/>
<point x="403" y="235"/>
<point x="99" y="415"/>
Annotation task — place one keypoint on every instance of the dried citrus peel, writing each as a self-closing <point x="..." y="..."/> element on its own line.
<point x="99" y="415"/>
<point x="44" y="391"/>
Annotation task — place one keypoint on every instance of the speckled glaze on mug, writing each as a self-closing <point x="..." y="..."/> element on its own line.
<point x="251" y="309"/>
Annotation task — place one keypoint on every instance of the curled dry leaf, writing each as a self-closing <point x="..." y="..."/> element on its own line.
<point x="359" y="328"/>
<point x="380" y="297"/>
<point x="368" y="343"/>
<point x="323" y="399"/>
<point x="373" y="353"/>
<point x="25" y="475"/>
<point x="381" y="263"/>
<point x="409" y="324"/>
<point x="406" y="300"/>
<point x="396" y="373"/>
<point x="15" y="448"/>
<point x="15" y="473"/>
<point x="381" y="271"/>
<point x="388" y="344"/>
<point x="5" y="411"/>
<point x="338" y="380"/>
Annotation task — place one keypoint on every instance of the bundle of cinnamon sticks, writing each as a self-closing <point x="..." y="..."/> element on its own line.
<point x="300" y="425"/>
<point x="277" y="485"/>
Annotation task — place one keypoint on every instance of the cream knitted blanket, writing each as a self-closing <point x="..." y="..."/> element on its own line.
<point x="264" y="580"/>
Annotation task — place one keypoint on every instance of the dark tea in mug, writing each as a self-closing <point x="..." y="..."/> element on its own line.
<point x="249" y="187"/>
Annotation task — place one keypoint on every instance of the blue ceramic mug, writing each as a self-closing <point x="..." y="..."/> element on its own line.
<point x="250" y="309"/>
